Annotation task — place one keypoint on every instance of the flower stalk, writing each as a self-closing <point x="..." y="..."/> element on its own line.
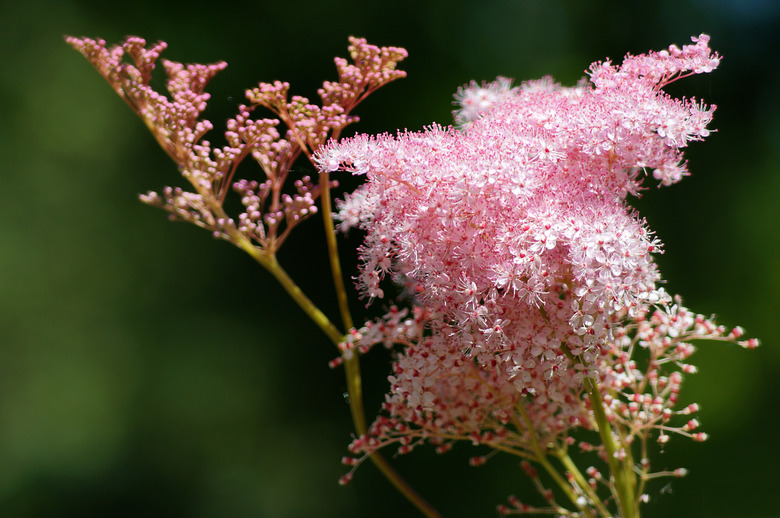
<point x="540" y="457"/>
<point x="622" y="472"/>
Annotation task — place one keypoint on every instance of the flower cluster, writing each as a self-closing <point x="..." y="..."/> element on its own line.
<point x="531" y="271"/>
<point x="476" y="99"/>
<point x="175" y="122"/>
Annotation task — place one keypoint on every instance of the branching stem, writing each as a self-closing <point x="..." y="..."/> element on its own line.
<point x="621" y="472"/>
<point x="352" y="362"/>
<point x="541" y="458"/>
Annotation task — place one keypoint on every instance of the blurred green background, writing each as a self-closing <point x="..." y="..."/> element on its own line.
<point x="147" y="370"/>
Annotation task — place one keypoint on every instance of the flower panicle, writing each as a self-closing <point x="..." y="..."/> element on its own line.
<point x="372" y="67"/>
<point x="660" y="68"/>
<point x="174" y="118"/>
<point x="311" y="125"/>
<point x="544" y="310"/>
<point x="440" y="397"/>
<point x="175" y="121"/>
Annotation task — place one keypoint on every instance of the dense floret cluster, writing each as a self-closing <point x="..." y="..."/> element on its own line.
<point x="532" y="271"/>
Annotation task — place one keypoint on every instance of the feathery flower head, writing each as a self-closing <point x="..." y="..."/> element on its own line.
<point x="525" y="207"/>
<point x="515" y="232"/>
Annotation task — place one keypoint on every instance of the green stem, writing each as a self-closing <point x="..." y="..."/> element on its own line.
<point x="352" y="362"/>
<point x="541" y="458"/>
<point x="354" y="388"/>
<point x="564" y="458"/>
<point x="352" y="369"/>
<point x="621" y="470"/>
<point x="333" y="253"/>
<point x="317" y="316"/>
<point x="270" y="263"/>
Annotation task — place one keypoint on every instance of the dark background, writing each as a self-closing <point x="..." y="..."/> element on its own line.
<point x="147" y="370"/>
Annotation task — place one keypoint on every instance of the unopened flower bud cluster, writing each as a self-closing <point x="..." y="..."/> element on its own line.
<point x="174" y="120"/>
